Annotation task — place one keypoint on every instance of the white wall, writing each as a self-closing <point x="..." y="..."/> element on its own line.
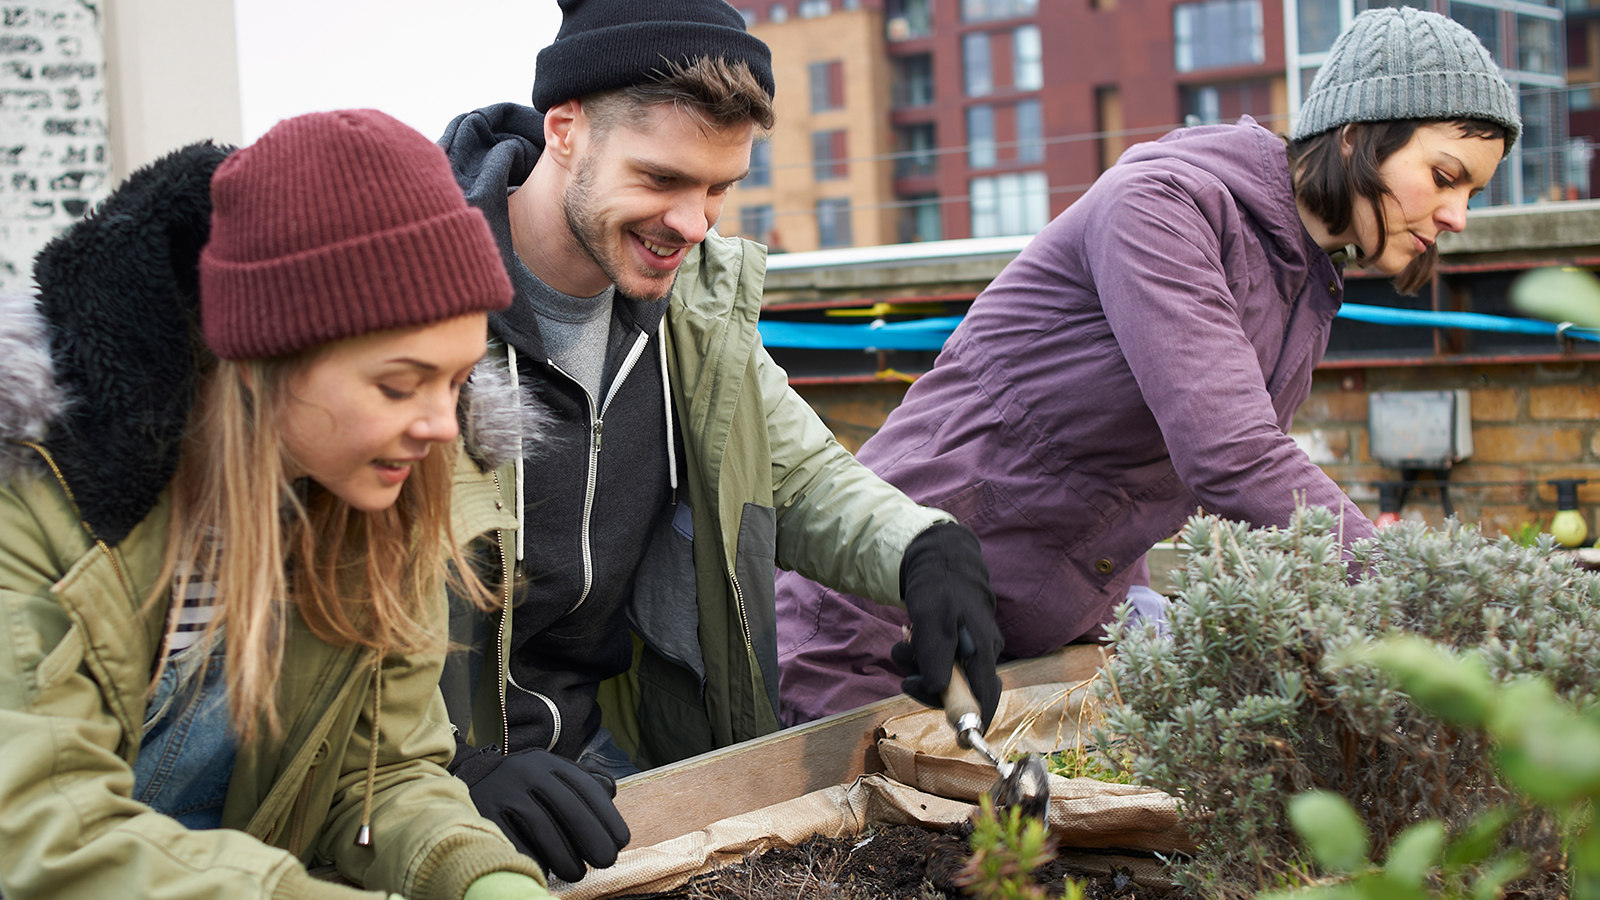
<point x="54" y="157"/>
<point x="173" y="77"/>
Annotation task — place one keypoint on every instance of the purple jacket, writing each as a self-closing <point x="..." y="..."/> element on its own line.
<point x="1143" y="357"/>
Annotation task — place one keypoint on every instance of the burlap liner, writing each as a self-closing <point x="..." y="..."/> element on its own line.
<point x="925" y="769"/>
<point x="919" y="749"/>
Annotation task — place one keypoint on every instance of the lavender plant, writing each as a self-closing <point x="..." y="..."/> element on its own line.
<point x="1255" y="696"/>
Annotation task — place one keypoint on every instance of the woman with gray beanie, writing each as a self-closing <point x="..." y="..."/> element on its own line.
<point x="1145" y="354"/>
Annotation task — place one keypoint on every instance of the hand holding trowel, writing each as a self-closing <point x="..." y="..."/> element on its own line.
<point x="1025" y="783"/>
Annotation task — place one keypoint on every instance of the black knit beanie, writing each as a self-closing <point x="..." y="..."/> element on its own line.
<point x="607" y="44"/>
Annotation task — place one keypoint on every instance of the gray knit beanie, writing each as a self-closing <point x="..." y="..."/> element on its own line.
<point x="1403" y="63"/>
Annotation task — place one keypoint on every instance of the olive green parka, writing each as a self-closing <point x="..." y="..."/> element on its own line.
<point x="95" y="377"/>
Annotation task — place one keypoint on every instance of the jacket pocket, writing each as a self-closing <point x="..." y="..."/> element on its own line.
<point x="62" y="661"/>
<point x="754" y="564"/>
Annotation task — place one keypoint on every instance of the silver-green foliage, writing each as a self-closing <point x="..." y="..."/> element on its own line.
<point x="1245" y="705"/>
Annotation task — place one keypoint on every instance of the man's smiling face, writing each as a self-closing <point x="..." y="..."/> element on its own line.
<point x="644" y="192"/>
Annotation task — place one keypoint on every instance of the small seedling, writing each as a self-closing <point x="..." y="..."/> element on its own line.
<point x="1007" y="847"/>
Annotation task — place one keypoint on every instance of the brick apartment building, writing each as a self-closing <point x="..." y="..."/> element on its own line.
<point x="912" y="120"/>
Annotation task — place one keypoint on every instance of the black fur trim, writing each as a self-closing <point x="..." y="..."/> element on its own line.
<point x="120" y="291"/>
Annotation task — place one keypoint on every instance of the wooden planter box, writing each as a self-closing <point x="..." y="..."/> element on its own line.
<point x="686" y="796"/>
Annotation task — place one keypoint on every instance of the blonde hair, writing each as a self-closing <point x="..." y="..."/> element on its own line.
<point x="277" y="549"/>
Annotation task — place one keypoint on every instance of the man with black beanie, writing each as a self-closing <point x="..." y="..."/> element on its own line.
<point x="641" y="627"/>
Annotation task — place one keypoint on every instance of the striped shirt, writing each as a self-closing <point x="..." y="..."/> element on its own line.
<point x="194" y="599"/>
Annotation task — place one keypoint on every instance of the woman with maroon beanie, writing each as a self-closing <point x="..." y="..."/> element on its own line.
<point x="230" y="457"/>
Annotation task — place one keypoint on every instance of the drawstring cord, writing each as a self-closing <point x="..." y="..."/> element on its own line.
<point x="666" y="402"/>
<point x="364" y="835"/>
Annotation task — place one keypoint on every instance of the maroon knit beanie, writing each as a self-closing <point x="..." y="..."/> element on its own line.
<point x="338" y="224"/>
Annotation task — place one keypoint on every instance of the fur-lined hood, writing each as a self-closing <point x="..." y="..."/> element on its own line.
<point x="100" y="366"/>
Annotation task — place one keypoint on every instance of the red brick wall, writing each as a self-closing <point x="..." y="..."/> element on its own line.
<point x="1531" y="423"/>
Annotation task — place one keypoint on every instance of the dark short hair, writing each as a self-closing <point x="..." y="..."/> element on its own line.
<point x="714" y="90"/>
<point x="1328" y="184"/>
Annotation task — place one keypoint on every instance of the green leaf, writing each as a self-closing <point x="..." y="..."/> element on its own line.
<point x="1558" y="295"/>
<point x="1548" y="751"/>
<point x="1583" y="861"/>
<point x="1384" y="886"/>
<point x="1415" y="851"/>
<point x="1478" y="840"/>
<point x="1454" y="689"/>
<point x="1491" y="883"/>
<point x="1331" y="829"/>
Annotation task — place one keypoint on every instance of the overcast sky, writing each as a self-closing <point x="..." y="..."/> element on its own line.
<point x="422" y="62"/>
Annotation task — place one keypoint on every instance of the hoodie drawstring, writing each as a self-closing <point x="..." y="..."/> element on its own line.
<point x="364" y="834"/>
<point x="666" y="402"/>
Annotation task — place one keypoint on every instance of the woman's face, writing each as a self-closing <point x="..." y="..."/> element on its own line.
<point x="365" y="410"/>
<point x="1430" y="179"/>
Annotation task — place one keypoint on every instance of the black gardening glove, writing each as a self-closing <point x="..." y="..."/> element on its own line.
<point x="550" y="808"/>
<point x="946" y="589"/>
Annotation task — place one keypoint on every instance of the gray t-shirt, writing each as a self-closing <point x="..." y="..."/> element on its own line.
<point x="574" y="331"/>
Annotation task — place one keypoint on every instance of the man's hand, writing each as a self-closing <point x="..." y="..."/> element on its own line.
<point x="550" y="808"/>
<point x="946" y="589"/>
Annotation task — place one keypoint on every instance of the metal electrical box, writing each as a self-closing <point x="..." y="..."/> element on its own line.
<point x="1420" y="429"/>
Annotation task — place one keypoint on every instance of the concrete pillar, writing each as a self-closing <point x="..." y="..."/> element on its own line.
<point x="172" y="77"/>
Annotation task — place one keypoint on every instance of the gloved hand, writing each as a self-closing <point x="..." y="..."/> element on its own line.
<point x="550" y="808"/>
<point x="946" y="589"/>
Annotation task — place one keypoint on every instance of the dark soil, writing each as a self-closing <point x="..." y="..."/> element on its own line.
<point x="891" y="862"/>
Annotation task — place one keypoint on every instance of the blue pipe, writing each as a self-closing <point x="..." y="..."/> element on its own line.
<point x="931" y="333"/>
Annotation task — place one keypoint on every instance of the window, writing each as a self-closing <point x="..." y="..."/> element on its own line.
<point x="1208" y="104"/>
<point x="1541" y="142"/>
<point x="1030" y="131"/>
<point x="919" y="218"/>
<point x="1483" y="22"/>
<point x="1027" y="59"/>
<point x="827" y="85"/>
<point x="1010" y="204"/>
<point x="986" y="10"/>
<point x="760" y="164"/>
<point x="829" y="157"/>
<point x="755" y="222"/>
<point x="813" y="9"/>
<point x="913" y="81"/>
<point x="1577" y="44"/>
<point x="1319" y="24"/>
<point x="915" y="146"/>
<point x="907" y="19"/>
<point x="1109" y="122"/>
<point x="749" y="15"/>
<point x="1536" y="45"/>
<point x="1216" y="33"/>
<point x="975" y="60"/>
<point x="833" y="222"/>
<point x="980" y="137"/>
<point x="779" y="12"/>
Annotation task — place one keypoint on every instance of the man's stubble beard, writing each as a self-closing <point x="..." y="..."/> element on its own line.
<point x="590" y="234"/>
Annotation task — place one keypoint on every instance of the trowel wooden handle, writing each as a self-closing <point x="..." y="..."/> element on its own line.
<point x="958" y="699"/>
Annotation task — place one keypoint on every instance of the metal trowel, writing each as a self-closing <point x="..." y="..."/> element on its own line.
<point x="1024" y="783"/>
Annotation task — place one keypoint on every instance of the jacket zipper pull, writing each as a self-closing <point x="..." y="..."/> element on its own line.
<point x="599" y="425"/>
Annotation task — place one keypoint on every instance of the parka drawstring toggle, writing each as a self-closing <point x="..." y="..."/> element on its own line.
<point x="364" y="834"/>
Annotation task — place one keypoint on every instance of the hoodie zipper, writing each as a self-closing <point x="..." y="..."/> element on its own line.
<point x="596" y="430"/>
